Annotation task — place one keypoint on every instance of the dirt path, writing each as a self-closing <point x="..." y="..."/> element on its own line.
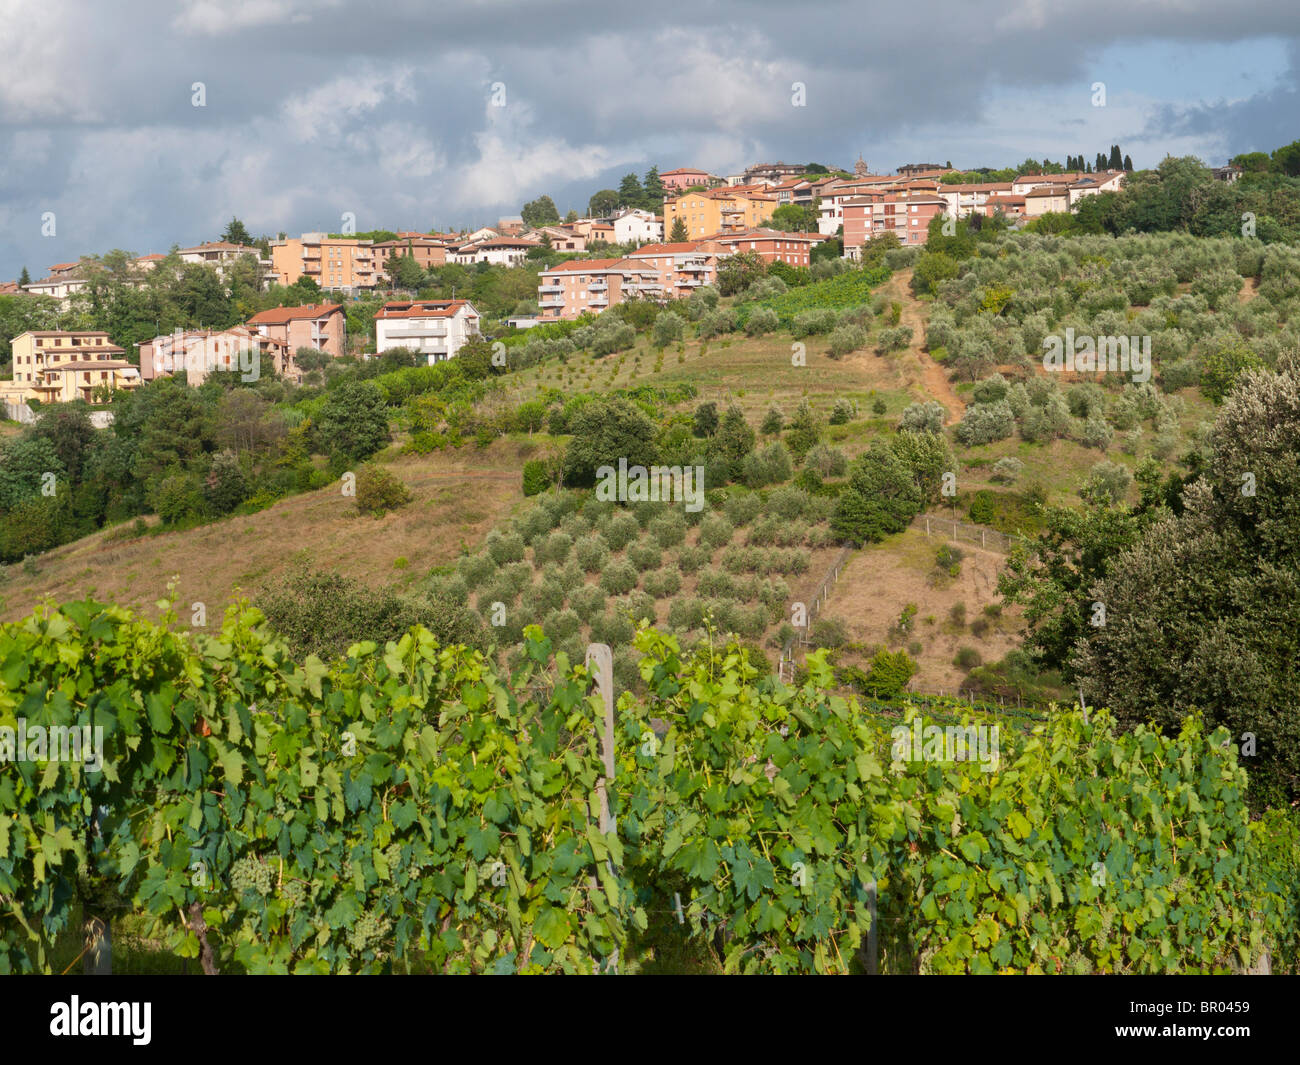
<point x="934" y="381"/>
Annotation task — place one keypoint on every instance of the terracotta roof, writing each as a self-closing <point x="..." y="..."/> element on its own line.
<point x="105" y="364"/>
<point x="507" y="242"/>
<point x="221" y="245"/>
<point x="582" y="266"/>
<point x="67" y="332"/>
<point x="151" y="255"/>
<point x="64" y="266"/>
<point x="685" y="170"/>
<point x="769" y="234"/>
<point x="285" y="315"/>
<point x="421" y="308"/>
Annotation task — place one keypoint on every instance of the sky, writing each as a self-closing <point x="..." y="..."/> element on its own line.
<point x="140" y="124"/>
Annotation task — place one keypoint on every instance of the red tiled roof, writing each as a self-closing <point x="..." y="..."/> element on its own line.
<point x="285" y="315"/>
<point x="582" y="266"/>
<point x="421" y="308"/>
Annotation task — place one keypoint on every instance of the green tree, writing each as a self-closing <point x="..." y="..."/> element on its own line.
<point x="603" y="203"/>
<point x="804" y="431"/>
<point x="678" y="233"/>
<point x="24" y="278"/>
<point x="705" y="422"/>
<point x="733" y="441"/>
<point x="540" y="212"/>
<point x="630" y="193"/>
<point x="236" y="233"/>
<point x="353" y="423"/>
<point x="404" y="272"/>
<point x="737" y="272"/>
<point x="793" y="218"/>
<point x="1202" y="612"/>
<point x="653" y="191"/>
<point x="880" y="498"/>
<point x="604" y="431"/>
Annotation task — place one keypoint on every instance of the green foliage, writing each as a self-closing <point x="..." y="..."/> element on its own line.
<point x="537" y="478"/>
<point x="852" y="288"/>
<point x="379" y="491"/>
<point x="880" y="499"/>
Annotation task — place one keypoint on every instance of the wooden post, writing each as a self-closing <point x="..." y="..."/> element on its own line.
<point x="873" y="933"/>
<point x="600" y="660"/>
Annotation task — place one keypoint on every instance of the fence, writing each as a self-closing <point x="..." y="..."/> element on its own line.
<point x="785" y="668"/>
<point x="950" y="529"/>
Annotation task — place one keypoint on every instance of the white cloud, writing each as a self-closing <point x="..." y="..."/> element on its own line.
<point x="218" y="17"/>
<point x="320" y="112"/>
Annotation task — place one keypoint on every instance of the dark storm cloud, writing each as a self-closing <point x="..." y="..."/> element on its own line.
<point x="315" y="107"/>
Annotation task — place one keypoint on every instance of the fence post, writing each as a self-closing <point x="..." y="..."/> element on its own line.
<point x="873" y="933"/>
<point x="600" y="660"/>
<point x="981" y="538"/>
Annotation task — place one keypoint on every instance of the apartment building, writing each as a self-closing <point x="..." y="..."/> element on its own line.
<point x="905" y="214"/>
<point x="200" y="352"/>
<point x="1039" y="201"/>
<point x="581" y="286"/>
<point x="1106" y="180"/>
<point x="635" y="226"/>
<point x="322" y="327"/>
<point x="436" y="329"/>
<point x="685" y="177"/>
<point x="679" y="268"/>
<point x="772" y="173"/>
<point x="562" y="238"/>
<point x="914" y="170"/>
<point x="773" y="246"/>
<point x="339" y="264"/>
<point x="427" y="251"/>
<point x="501" y="251"/>
<point x="62" y="288"/>
<point x="725" y="210"/>
<point x="59" y="367"/>
<point x="963" y="200"/>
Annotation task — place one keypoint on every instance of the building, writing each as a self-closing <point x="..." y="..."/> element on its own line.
<point x="512" y="226"/>
<point x="679" y="268"/>
<point x="635" y="226"/>
<point x="1106" y="180"/>
<point x="61" y="288"/>
<point x="686" y="177"/>
<point x="582" y="286"/>
<point x="772" y="173"/>
<point x="59" y="367"/>
<point x="562" y="238"/>
<point x="1007" y="203"/>
<point x="436" y="329"/>
<point x="963" y="200"/>
<point x="912" y="170"/>
<point x="200" y="352"/>
<point x="427" y="251"/>
<point x="321" y="327"/>
<point x="220" y="254"/>
<point x="1044" y="198"/>
<point x="339" y="264"/>
<point x="905" y="214"/>
<point x="773" y="246"/>
<point x="1227" y="173"/>
<point x="502" y="251"/>
<point x="724" y="210"/>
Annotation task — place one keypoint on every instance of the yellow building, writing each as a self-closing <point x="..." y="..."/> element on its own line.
<point x="334" y="263"/>
<point x="59" y="367"/>
<point x="725" y="210"/>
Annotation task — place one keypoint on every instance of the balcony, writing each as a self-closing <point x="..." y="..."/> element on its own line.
<point x="550" y="288"/>
<point x="416" y="331"/>
<point x="550" y="303"/>
<point x="598" y="286"/>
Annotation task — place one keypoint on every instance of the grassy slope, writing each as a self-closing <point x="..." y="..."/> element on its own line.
<point x="460" y="495"/>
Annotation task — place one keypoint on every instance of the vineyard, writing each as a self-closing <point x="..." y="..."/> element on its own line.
<point x="411" y="808"/>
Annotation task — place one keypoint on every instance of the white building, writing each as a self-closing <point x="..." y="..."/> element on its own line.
<point x="635" y="226"/>
<point x="435" y="328"/>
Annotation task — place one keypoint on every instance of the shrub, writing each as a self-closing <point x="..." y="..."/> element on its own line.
<point x="811" y="322"/>
<point x="504" y="547"/>
<point x="984" y="423"/>
<point x="555" y="548"/>
<point x="742" y="508"/>
<point x="592" y="552"/>
<point x="622" y="529"/>
<point x="1096" y="432"/>
<point x="990" y="390"/>
<point x="668" y="327"/>
<point x="948" y="558"/>
<point x="588" y="601"/>
<point x="967" y="658"/>
<point x="378" y="491"/>
<point x="829" y="632"/>
<point x="888" y="674"/>
<point x="663" y="583"/>
<point x="619" y="577"/>
<point x="762" y="320"/>
<point x="827" y="461"/>
<point x="844" y="411"/>
<point x="1108" y="482"/>
<point x="644" y="555"/>
<point x="845" y="339"/>
<point x="690" y="559"/>
<point x="1007" y="469"/>
<point x="773" y="421"/>
<point x="895" y="339"/>
<point x="925" y="417"/>
<point x="715" y="531"/>
<point x="536" y="478"/>
<point x="475" y="569"/>
<point x="669" y="529"/>
<point x="768" y="466"/>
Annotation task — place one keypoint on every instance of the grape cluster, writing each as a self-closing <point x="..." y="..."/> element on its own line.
<point x="250" y="874"/>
